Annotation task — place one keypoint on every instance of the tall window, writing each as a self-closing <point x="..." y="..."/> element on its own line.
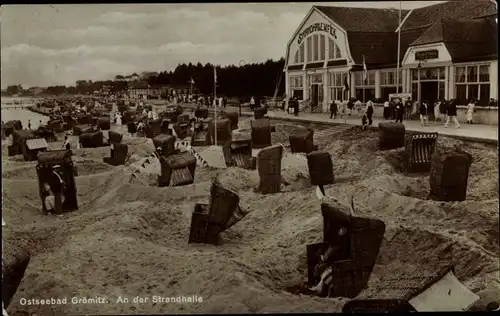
<point x="299" y="55"/>
<point x="309" y="49"/>
<point x="388" y="83"/>
<point x="336" y="86"/>
<point x="333" y="50"/>
<point x="322" y="48"/>
<point x="368" y="85"/>
<point x="316" y="48"/>
<point x="472" y="83"/>
<point x="297" y="86"/>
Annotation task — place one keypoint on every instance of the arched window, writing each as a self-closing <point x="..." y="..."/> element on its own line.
<point x="299" y="55"/>
<point x="333" y="50"/>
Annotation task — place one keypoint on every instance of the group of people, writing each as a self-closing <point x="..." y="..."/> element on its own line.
<point x="446" y="111"/>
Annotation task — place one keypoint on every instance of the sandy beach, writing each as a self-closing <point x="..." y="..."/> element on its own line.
<point x="129" y="238"/>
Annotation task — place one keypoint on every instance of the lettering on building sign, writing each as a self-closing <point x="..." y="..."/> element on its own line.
<point x="317" y="27"/>
<point x="427" y="54"/>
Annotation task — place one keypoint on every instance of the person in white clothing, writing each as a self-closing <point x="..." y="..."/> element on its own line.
<point x="150" y="115"/>
<point x="155" y="115"/>
<point x="118" y="119"/>
<point x="470" y="111"/>
<point x="252" y="103"/>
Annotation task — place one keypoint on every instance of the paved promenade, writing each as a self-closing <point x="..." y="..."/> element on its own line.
<point x="475" y="132"/>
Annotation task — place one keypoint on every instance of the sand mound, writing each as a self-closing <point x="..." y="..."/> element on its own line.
<point x="130" y="238"/>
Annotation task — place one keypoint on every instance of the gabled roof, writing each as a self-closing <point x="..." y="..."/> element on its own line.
<point x="372" y="32"/>
<point x="464" y="39"/>
<point x="450" y="10"/>
<point x="366" y="20"/>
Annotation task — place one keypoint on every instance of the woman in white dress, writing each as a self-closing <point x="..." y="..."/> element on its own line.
<point x="118" y="119"/>
<point x="470" y="111"/>
<point x="155" y="115"/>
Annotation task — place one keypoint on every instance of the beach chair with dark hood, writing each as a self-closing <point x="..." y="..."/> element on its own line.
<point x="19" y="138"/>
<point x="419" y="148"/>
<point x="60" y="162"/>
<point x="176" y="170"/>
<point x="238" y="153"/>
<point x="209" y="220"/>
<point x="342" y="264"/>
<point x="165" y="145"/>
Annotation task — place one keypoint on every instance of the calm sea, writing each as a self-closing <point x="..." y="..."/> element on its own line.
<point x="23" y="115"/>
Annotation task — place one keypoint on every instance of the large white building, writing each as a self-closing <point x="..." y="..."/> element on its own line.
<point x="447" y="51"/>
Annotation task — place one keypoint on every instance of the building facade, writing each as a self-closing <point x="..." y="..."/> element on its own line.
<point x="447" y="51"/>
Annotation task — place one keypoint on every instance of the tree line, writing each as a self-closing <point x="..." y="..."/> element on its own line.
<point x="244" y="80"/>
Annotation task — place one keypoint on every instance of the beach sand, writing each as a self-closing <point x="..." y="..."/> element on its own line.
<point x="129" y="238"/>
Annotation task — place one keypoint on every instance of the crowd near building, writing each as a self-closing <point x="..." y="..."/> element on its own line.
<point x="447" y="51"/>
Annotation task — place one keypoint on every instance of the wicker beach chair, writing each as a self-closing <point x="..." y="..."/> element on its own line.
<point x="449" y="175"/>
<point x="269" y="167"/>
<point x="391" y="135"/>
<point x="15" y="260"/>
<point x="419" y="148"/>
<point x="177" y="169"/>
<point x="349" y="249"/>
<point x="261" y="133"/>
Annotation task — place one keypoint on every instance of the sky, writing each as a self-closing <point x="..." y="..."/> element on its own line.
<point x="43" y="45"/>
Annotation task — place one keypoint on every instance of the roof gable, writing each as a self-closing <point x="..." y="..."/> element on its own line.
<point x="450" y="10"/>
<point x="433" y="34"/>
<point x="373" y="20"/>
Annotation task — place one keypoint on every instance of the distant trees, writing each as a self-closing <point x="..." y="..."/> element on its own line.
<point x="257" y="79"/>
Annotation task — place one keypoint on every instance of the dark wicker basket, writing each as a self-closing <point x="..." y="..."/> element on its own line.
<point x="166" y="143"/>
<point x="354" y="243"/>
<point x="261" y="133"/>
<point x="237" y="153"/>
<point x="419" y="148"/>
<point x="181" y="130"/>
<point x="320" y="168"/>
<point x="131" y="127"/>
<point x="155" y="126"/>
<point x="15" y="260"/>
<point x="269" y="167"/>
<point x="115" y="137"/>
<point x="233" y="118"/>
<point x="104" y="123"/>
<point x="224" y="133"/>
<point x="178" y="169"/>
<point x="260" y="112"/>
<point x="165" y="126"/>
<point x="198" y="231"/>
<point x="201" y="113"/>
<point x="302" y="141"/>
<point x="223" y="203"/>
<point x="449" y="175"/>
<point x="91" y="140"/>
<point x="391" y="135"/>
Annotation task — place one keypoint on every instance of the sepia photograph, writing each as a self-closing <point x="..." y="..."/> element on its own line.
<point x="250" y="158"/>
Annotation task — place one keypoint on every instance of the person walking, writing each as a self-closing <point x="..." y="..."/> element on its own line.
<point x="296" y="106"/>
<point x="224" y="101"/>
<point x="451" y="113"/>
<point x="437" y="104"/>
<point x="398" y="111"/>
<point x="350" y="106"/>
<point x="386" y="110"/>
<point x="252" y="103"/>
<point x="29" y="124"/>
<point x="333" y="109"/>
<point x="369" y="111"/>
<point x="442" y="111"/>
<point x="408" y="108"/>
<point x="358" y="106"/>
<point x="470" y="111"/>
<point x="424" y="111"/>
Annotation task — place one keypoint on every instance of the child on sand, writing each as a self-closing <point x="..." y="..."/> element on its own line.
<point x="364" y="121"/>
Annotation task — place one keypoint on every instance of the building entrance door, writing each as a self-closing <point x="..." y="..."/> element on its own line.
<point x="430" y="94"/>
<point x="316" y="95"/>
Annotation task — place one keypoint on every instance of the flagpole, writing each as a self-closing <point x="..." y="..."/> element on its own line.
<point x="215" y="104"/>
<point x="364" y="73"/>
<point x="399" y="49"/>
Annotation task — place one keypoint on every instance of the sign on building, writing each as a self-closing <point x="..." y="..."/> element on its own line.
<point x="427" y="54"/>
